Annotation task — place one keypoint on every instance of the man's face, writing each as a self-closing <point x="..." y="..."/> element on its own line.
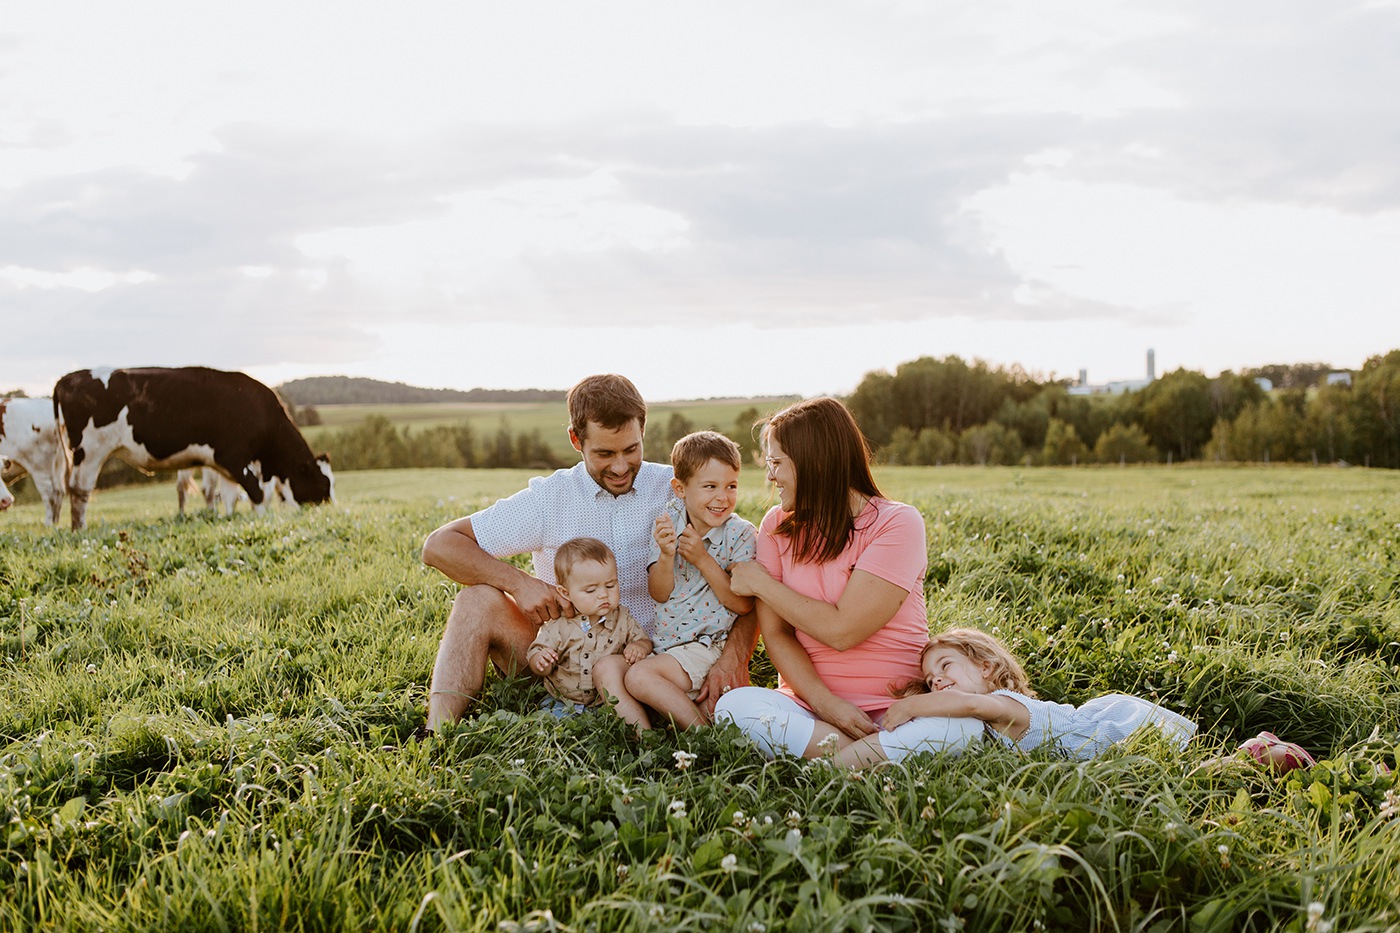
<point x="611" y="456"/>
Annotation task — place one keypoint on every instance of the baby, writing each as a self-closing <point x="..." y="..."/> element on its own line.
<point x="585" y="657"/>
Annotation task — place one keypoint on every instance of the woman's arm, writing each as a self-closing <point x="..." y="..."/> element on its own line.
<point x="793" y="662"/>
<point x="866" y="605"/>
<point x="1000" y="712"/>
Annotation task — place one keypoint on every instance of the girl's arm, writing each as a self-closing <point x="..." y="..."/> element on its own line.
<point x="793" y="662"/>
<point x="866" y="605"/>
<point x="1001" y="712"/>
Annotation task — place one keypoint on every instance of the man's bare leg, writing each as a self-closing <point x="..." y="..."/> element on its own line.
<point x="484" y="624"/>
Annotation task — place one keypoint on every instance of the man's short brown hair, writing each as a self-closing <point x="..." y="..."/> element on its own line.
<point x="577" y="551"/>
<point x="607" y="400"/>
<point x="695" y="450"/>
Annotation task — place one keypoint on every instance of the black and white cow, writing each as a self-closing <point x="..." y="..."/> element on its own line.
<point x="30" y="443"/>
<point x="166" y="419"/>
<point x="212" y="486"/>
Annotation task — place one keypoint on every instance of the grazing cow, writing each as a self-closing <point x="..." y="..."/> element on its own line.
<point x="213" y="486"/>
<point x="30" y="443"/>
<point x="166" y="419"/>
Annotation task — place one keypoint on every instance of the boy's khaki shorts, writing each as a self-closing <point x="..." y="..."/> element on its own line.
<point x="696" y="659"/>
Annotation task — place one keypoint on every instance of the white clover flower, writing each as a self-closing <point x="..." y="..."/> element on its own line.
<point x="1391" y="805"/>
<point x="517" y="762"/>
<point x="656" y="912"/>
<point x="828" y="745"/>
<point x="757" y="927"/>
<point x="793" y="818"/>
<point x="730" y="864"/>
<point x="683" y="760"/>
<point x="738" y="818"/>
<point x="677" y="809"/>
<point x="1315" y="921"/>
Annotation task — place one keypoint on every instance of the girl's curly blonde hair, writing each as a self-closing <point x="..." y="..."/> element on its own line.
<point x="1005" y="671"/>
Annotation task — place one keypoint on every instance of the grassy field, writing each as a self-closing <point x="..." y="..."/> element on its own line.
<point x="549" y="418"/>
<point x="208" y="724"/>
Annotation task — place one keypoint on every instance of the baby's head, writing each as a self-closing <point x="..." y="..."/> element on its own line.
<point x="706" y="465"/>
<point x="585" y="572"/>
<point x="969" y="661"/>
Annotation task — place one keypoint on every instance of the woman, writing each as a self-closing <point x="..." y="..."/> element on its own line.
<point x="839" y="583"/>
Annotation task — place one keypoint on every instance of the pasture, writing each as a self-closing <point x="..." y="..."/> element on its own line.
<point x="208" y="724"/>
<point x="551" y="419"/>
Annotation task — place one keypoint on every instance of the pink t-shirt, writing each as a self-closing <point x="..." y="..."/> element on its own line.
<point x="889" y="542"/>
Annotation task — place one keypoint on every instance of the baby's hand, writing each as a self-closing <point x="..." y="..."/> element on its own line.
<point x="665" y="535"/>
<point x="635" y="652"/>
<point x="543" y="661"/>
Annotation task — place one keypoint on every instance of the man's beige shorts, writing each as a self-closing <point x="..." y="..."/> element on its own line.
<point x="696" y="659"/>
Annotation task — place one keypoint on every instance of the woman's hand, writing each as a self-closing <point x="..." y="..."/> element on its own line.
<point x="746" y="577"/>
<point x="846" y="716"/>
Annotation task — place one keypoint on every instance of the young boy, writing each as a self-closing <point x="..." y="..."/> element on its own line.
<point x="588" y="654"/>
<point x="695" y="541"/>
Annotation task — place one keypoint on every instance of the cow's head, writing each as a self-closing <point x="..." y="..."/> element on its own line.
<point x="312" y="481"/>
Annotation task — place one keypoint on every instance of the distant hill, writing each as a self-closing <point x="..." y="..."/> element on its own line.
<point x="355" y="390"/>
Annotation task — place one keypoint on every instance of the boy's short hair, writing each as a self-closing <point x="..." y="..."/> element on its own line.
<point x="576" y="551"/>
<point x="608" y="400"/>
<point x="695" y="450"/>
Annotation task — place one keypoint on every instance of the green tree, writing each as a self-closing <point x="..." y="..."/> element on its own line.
<point x="1125" y="443"/>
<point x="1062" y="444"/>
<point x="990" y="443"/>
<point x="1376" y="410"/>
<point x="1178" y="412"/>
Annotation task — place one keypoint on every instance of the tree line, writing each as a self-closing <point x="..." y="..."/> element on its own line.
<point x="936" y="411"/>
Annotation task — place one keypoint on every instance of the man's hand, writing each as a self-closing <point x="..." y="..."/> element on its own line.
<point x="745" y="576"/>
<point x="539" y="601"/>
<point x="543" y="661"/>
<point x="726" y="674"/>
<point x="665" y="535"/>
<point x="846" y="716"/>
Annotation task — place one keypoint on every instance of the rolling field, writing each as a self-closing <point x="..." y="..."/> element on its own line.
<point x="551" y="419"/>
<point x="207" y="724"/>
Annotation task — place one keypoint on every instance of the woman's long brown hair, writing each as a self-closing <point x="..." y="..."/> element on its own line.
<point x="831" y="459"/>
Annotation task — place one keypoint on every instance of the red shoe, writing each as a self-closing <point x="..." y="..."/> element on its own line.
<point x="1268" y="749"/>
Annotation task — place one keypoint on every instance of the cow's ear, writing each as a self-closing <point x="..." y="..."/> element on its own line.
<point x="324" y="457"/>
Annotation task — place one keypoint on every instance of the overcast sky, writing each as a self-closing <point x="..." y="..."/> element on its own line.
<point x="714" y="198"/>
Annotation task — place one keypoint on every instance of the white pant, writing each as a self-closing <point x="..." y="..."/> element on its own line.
<point x="777" y="723"/>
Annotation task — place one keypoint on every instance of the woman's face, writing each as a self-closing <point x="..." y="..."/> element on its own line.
<point x="781" y="473"/>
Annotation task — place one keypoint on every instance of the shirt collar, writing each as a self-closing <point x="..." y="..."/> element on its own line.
<point x="713" y="536"/>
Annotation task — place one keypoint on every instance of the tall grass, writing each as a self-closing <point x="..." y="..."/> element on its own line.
<point x="208" y="724"/>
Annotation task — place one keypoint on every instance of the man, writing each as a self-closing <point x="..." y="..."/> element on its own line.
<point x="611" y="495"/>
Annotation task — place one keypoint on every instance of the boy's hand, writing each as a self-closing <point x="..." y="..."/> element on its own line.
<point x="692" y="545"/>
<point x="543" y="661"/>
<point x="665" y="535"/>
<point x="636" y="651"/>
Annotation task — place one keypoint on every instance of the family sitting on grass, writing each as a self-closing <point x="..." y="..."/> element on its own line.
<point x="649" y="595"/>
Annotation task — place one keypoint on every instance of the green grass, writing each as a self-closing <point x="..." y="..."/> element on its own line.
<point x="207" y="724"/>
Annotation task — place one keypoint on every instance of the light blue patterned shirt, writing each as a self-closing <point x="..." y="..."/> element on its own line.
<point x="570" y="504"/>
<point x="1086" y="731"/>
<point x="694" y="612"/>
